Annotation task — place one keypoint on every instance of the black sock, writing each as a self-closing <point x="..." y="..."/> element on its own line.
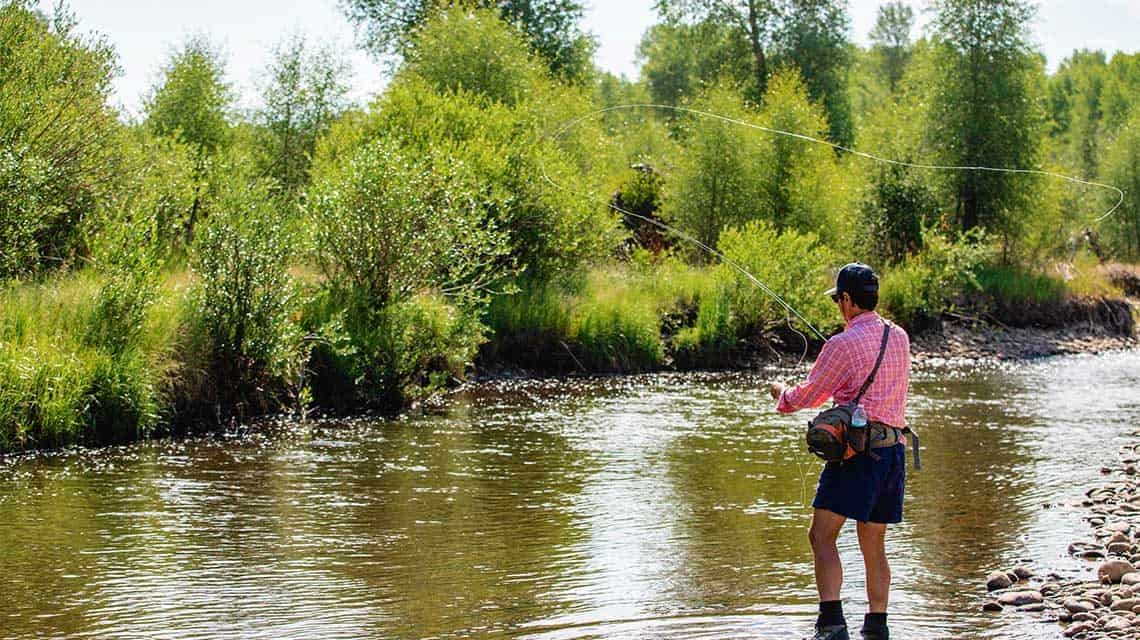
<point x="830" y="614"/>
<point x="877" y="621"/>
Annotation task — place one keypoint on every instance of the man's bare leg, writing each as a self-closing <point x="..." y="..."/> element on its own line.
<point x="872" y="542"/>
<point x="824" y="532"/>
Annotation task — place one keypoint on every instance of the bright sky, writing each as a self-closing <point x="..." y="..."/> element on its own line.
<point x="144" y="32"/>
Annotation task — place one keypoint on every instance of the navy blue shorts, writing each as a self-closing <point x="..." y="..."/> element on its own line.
<point x="865" y="489"/>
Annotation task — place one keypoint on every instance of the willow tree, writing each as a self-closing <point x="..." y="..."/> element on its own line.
<point x="810" y="35"/>
<point x="890" y="40"/>
<point x="551" y="26"/>
<point x="985" y="108"/>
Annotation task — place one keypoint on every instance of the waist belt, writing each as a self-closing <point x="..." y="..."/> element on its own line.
<point x="882" y="436"/>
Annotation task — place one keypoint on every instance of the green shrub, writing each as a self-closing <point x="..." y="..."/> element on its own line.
<point x="22" y="215"/>
<point x="244" y="298"/>
<point x="916" y="292"/>
<point x="59" y="135"/>
<point x="392" y="231"/>
<point x="795" y="265"/>
<point x="388" y="356"/>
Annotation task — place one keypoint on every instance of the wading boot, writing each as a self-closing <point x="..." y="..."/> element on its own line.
<point x="831" y="632"/>
<point x="875" y="627"/>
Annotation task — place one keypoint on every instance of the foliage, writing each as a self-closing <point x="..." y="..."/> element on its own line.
<point x="890" y="40"/>
<point x="304" y="92"/>
<point x="812" y="37"/>
<point x="392" y="225"/>
<point x="731" y="174"/>
<point x="387" y="356"/>
<point x="986" y="109"/>
<point x="550" y="26"/>
<point x="158" y="191"/>
<point x="1122" y="168"/>
<point x="191" y="100"/>
<point x="444" y="54"/>
<point x="243" y="298"/>
<point x="57" y="135"/>
<point x="794" y="264"/>
<point x="917" y="291"/>
<point x="678" y="60"/>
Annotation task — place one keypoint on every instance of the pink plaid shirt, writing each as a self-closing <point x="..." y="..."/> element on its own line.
<point x="844" y="364"/>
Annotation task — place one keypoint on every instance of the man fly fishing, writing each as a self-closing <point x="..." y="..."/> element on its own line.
<point x="865" y="369"/>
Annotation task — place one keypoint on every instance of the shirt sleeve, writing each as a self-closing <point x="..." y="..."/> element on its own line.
<point x="825" y="377"/>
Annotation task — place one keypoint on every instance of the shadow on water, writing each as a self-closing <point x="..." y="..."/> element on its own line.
<point x="647" y="507"/>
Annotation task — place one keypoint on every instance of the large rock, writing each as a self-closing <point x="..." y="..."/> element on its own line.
<point x="1019" y="598"/>
<point x="1023" y="572"/>
<point x="1130" y="578"/>
<point x="1078" y="606"/>
<point x="997" y="580"/>
<point x="1113" y="570"/>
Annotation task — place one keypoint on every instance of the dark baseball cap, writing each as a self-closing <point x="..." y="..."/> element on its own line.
<point x="855" y="277"/>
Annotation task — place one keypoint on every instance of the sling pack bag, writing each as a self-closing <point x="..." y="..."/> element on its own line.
<point x="830" y="436"/>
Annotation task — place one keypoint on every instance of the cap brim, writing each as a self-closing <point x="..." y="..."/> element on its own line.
<point x="830" y="292"/>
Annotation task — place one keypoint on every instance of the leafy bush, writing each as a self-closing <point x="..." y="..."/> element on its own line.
<point x="916" y="292"/>
<point x="391" y="228"/>
<point x="797" y="266"/>
<point x="22" y="219"/>
<point x="244" y="298"/>
<point x="58" y="135"/>
<point x="386" y="356"/>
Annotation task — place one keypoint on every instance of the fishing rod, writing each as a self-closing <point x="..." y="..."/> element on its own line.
<point x="566" y="126"/>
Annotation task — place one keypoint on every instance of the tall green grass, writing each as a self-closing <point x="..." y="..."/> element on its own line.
<point x="61" y="383"/>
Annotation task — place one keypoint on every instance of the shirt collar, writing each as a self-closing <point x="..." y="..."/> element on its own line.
<point x="862" y="318"/>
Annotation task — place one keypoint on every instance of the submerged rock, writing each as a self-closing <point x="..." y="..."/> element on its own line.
<point x="998" y="580"/>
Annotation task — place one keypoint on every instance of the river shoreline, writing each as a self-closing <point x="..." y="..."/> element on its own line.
<point x="1108" y="605"/>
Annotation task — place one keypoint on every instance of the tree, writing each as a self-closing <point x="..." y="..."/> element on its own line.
<point x="1075" y="102"/>
<point x="890" y="39"/>
<point x="191" y="102"/>
<point x="808" y="34"/>
<point x="985" y="108"/>
<point x="813" y="38"/>
<point x="754" y="18"/>
<point x="304" y="93"/>
<point x="59" y="136"/>
<point x="551" y="27"/>
<point x="678" y="59"/>
<point x="1121" y="165"/>
<point x="730" y="175"/>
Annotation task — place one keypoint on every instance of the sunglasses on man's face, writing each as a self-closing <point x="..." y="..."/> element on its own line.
<point x="836" y="297"/>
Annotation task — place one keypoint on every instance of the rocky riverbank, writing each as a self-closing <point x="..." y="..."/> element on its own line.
<point x="969" y="339"/>
<point x="1108" y="607"/>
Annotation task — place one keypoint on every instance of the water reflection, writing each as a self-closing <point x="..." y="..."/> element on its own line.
<point x="646" y="507"/>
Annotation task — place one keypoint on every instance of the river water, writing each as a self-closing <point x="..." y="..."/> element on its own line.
<point x="669" y="506"/>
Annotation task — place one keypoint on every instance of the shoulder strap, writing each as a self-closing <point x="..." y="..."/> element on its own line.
<point x="878" y="361"/>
